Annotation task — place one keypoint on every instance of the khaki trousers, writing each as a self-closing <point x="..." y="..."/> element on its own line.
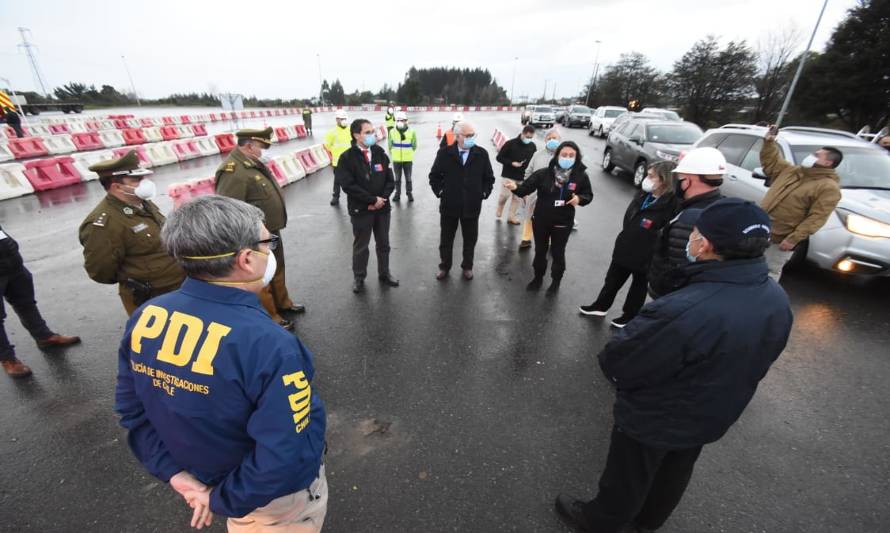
<point x="299" y="512"/>
<point x="506" y="194"/>
<point x="275" y="295"/>
<point x="775" y="260"/>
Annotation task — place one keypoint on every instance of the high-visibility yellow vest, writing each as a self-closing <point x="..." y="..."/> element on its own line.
<point x="337" y="141"/>
<point x="402" y="145"/>
<point x="390" y="121"/>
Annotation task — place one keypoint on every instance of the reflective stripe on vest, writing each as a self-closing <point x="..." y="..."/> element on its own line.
<point x="402" y="150"/>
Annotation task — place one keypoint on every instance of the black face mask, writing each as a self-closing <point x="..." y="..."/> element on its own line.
<point x="678" y="188"/>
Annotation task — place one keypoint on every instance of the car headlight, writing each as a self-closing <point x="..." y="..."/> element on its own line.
<point x="867" y="227"/>
<point x="667" y="156"/>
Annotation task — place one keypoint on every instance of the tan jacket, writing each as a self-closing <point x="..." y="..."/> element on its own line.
<point x="800" y="199"/>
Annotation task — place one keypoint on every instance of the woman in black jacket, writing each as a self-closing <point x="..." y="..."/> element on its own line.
<point x="561" y="187"/>
<point x="648" y="212"/>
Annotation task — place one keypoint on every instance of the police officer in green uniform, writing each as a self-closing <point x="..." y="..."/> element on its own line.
<point x="307" y="119"/>
<point x="245" y="177"/>
<point x="121" y="237"/>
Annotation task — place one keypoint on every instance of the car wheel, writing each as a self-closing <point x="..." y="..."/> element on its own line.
<point x="798" y="258"/>
<point x="640" y="172"/>
<point x="608" y="166"/>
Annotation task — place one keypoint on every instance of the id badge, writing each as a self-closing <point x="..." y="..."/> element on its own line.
<point x="559" y="203"/>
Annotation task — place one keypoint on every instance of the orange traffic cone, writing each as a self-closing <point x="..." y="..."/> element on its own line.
<point x="438" y="131"/>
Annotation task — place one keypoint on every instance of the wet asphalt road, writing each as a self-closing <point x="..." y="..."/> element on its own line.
<point x="455" y="406"/>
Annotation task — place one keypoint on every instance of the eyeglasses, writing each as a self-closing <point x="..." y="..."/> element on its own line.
<point x="272" y="241"/>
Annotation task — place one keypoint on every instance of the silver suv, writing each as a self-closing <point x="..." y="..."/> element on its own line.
<point x="635" y="144"/>
<point x="857" y="238"/>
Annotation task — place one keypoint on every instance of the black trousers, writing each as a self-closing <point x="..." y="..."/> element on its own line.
<point x="640" y="485"/>
<point x="307" y="121"/>
<point x="616" y="276"/>
<point x="469" y="229"/>
<point x="17" y="127"/>
<point x="336" y="189"/>
<point x="397" y="169"/>
<point x="363" y="225"/>
<point x="552" y="238"/>
<point x="18" y="289"/>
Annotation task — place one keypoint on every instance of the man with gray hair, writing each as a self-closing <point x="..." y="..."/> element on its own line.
<point x="218" y="399"/>
<point x="461" y="178"/>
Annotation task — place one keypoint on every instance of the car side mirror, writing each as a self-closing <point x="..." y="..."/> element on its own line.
<point x="759" y="174"/>
<point x="637" y="140"/>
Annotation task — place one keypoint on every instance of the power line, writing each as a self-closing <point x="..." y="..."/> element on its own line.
<point x="35" y="68"/>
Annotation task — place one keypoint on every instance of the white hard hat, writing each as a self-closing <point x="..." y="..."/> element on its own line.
<point x="457" y="117"/>
<point x="705" y="161"/>
<point x="401" y="115"/>
<point x="341" y="114"/>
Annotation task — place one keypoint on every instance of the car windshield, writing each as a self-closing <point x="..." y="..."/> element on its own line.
<point x="670" y="115"/>
<point x="612" y="113"/>
<point x="669" y="134"/>
<point x="581" y="110"/>
<point x="862" y="168"/>
<point x="543" y="109"/>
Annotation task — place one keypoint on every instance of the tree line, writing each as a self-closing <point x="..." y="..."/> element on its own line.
<point x="847" y="85"/>
<point x="428" y="86"/>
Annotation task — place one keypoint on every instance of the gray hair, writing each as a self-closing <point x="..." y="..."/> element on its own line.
<point x="459" y="127"/>
<point x="210" y="226"/>
<point x="554" y="133"/>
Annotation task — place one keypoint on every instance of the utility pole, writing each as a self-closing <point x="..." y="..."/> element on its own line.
<point x="513" y="85"/>
<point x="544" y="96"/>
<point x="803" y="60"/>
<point x="596" y="68"/>
<point x="554" y="90"/>
<point x="320" y="81"/>
<point x="35" y="68"/>
<point x="132" y="85"/>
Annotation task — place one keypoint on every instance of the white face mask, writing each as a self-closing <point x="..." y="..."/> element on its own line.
<point x="647" y="184"/>
<point x="271" y="267"/>
<point x="146" y="189"/>
<point x="809" y="161"/>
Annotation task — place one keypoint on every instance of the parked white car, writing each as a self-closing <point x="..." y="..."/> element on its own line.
<point x="856" y="240"/>
<point x="602" y="119"/>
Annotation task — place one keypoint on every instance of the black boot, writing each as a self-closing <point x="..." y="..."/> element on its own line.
<point x="535" y="284"/>
<point x="554" y="285"/>
<point x="410" y="197"/>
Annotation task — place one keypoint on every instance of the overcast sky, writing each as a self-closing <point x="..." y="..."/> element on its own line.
<point x="269" y="48"/>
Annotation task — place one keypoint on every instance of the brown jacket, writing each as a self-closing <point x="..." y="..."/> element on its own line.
<point x="250" y="181"/>
<point x="800" y="199"/>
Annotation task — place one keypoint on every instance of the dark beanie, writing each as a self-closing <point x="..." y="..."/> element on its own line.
<point x="730" y="221"/>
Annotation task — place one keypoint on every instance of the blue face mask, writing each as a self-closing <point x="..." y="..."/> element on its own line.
<point x="689" y="257"/>
<point x="526" y="140"/>
<point x="370" y="139"/>
<point x="552" y="145"/>
<point x="566" y="163"/>
<point x="469" y="142"/>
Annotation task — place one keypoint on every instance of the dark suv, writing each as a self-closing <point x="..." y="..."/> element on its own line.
<point x="639" y="142"/>
<point x="577" y="115"/>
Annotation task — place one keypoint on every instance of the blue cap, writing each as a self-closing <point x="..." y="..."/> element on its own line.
<point x="729" y="221"/>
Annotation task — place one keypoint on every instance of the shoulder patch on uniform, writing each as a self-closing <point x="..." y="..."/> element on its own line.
<point x="101" y="220"/>
<point x="230" y="167"/>
<point x="258" y="177"/>
<point x="248" y="164"/>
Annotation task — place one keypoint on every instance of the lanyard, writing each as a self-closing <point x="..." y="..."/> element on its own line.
<point x="648" y="200"/>
<point x="562" y="189"/>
